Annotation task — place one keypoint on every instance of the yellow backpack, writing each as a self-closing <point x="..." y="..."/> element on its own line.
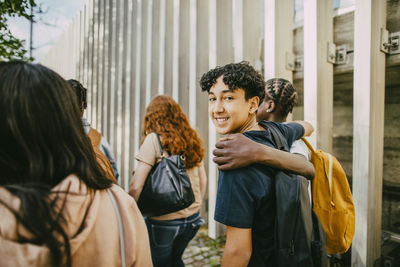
<point x="332" y="201"/>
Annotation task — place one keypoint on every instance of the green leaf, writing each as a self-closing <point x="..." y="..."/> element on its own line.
<point x="12" y="48"/>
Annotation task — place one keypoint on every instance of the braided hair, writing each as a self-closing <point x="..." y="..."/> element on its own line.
<point x="283" y="93"/>
<point x="80" y="91"/>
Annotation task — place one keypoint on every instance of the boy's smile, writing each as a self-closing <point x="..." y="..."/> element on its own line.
<point x="229" y="110"/>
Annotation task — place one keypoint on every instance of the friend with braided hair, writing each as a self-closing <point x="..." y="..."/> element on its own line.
<point x="99" y="143"/>
<point x="280" y="98"/>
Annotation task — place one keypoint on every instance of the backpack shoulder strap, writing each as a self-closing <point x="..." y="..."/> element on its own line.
<point x="159" y="143"/>
<point x="102" y="160"/>
<point x="120" y="227"/>
<point x="278" y="137"/>
<point x="308" y="144"/>
<point x="95" y="137"/>
<point x="104" y="163"/>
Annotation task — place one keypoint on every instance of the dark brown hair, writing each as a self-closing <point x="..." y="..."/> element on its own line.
<point x="42" y="141"/>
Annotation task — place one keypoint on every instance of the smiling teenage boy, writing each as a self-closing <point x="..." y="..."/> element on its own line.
<point x="246" y="196"/>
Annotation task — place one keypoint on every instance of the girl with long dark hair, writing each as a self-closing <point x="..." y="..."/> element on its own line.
<point x="56" y="204"/>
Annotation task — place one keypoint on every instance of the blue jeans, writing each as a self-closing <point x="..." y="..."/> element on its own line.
<point x="168" y="239"/>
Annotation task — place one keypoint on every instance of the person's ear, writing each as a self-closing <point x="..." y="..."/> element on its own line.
<point x="270" y="106"/>
<point x="253" y="104"/>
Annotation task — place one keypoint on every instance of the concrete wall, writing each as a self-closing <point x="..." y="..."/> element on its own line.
<point x="343" y="110"/>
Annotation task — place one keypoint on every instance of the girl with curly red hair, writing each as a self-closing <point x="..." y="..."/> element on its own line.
<point x="169" y="234"/>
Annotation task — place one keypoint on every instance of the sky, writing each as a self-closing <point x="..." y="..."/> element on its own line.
<point x="57" y="16"/>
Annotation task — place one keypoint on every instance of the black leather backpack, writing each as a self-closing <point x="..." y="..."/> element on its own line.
<point x="167" y="188"/>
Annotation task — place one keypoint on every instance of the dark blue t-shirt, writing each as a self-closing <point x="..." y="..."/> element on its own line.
<point x="246" y="196"/>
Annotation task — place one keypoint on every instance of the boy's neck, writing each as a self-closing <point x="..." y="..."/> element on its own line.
<point x="276" y="118"/>
<point x="251" y="125"/>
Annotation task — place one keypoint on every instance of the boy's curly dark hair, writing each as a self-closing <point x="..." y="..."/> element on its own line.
<point x="236" y="75"/>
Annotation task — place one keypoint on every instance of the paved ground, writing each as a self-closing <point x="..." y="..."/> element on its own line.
<point x="203" y="251"/>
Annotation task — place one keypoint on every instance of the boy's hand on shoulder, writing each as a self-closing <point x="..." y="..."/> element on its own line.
<point x="235" y="151"/>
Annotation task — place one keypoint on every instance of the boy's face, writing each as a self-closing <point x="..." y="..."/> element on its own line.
<point x="229" y="110"/>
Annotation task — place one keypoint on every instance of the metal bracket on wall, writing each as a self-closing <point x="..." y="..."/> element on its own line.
<point x="299" y="63"/>
<point x="294" y="62"/>
<point x="338" y="54"/>
<point x="289" y="61"/>
<point x="331" y="57"/>
<point x="390" y="42"/>
<point x="394" y="41"/>
<point x="390" y="236"/>
<point x="341" y="54"/>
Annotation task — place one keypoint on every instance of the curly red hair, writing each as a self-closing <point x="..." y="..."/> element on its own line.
<point x="165" y="117"/>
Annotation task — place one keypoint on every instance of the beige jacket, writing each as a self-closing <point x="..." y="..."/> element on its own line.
<point x="92" y="228"/>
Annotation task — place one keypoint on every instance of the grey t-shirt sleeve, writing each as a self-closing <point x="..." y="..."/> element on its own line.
<point x="299" y="147"/>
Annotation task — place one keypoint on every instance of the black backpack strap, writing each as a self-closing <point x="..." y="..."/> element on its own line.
<point x="280" y="141"/>
<point x="318" y="244"/>
<point x="159" y="143"/>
